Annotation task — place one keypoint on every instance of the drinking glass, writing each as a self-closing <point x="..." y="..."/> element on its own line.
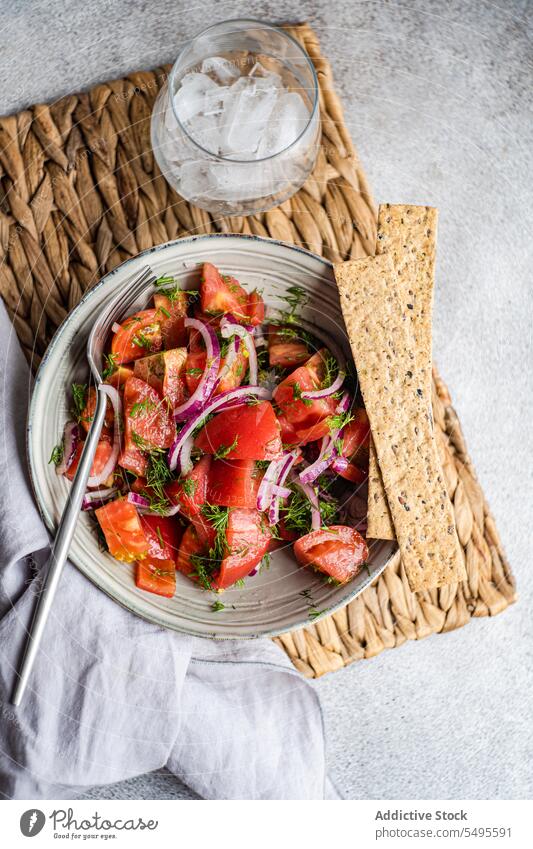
<point x="235" y="128"/>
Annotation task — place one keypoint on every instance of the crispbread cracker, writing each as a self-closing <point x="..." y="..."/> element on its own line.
<point x="391" y="381"/>
<point x="408" y="233"/>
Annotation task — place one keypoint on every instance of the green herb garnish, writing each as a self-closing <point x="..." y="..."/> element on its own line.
<point x="142" y="407"/>
<point x="217" y="605"/>
<point x="57" y="454"/>
<point x="110" y="361"/>
<point x="224" y="450"/>
<point x="79" y="399"/>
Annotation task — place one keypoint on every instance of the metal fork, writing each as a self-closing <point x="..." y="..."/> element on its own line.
<point x="118" y="308"/>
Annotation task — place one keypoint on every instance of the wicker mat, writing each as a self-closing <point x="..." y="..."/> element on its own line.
<point x="80" y="192"/>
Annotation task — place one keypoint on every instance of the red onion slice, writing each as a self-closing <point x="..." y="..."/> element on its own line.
<point x="229" y="328"/>
<point x="201" y="395"/>
<point x="175" y="451"/>
<point x="264" y="493"/>
<point x="340" y="464"/>
<point x="316" y="518"/>
<point x="71" y="437"/>
<point x="115" y="327"/>
<point x="329" y="390"/>
<point x="109" y="467"/>
<point x="143" y="505"/>
<point x="288" y="462"/>
<point x="282" y="491"/>
<point x="99" y="496"/>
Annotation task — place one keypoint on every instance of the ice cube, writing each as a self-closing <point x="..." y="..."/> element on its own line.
<point x="205" y="131"/>
<point x="190" y="98"/>
<point x="246" y="118"/>
<point x="264" y="77"/>
<point x="196" y="181"/>
<point x="289" y="119"/>
<point x="221" y="69"/>
<point x="237" y="182"/>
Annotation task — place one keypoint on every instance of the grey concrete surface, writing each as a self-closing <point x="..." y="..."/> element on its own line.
<point x="438" y="100"/>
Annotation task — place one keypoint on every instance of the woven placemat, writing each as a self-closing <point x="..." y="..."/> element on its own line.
<point x="80" y="192"/>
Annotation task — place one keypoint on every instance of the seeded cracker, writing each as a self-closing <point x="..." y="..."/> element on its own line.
<point x="408" y="234"/>
<point x="392" y="381"/>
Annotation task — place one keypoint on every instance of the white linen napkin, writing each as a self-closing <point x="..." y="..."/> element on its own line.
<point x="112" y="696"/>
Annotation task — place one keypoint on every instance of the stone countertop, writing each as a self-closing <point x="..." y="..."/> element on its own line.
<point x="437" y="98"/>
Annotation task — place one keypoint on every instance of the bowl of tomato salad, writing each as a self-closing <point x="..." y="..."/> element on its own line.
<point x="227" y="496"/>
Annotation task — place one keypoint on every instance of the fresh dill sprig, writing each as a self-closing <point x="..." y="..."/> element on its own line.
<point x="79" y="399"/>
<point x="296" y="512"/>
<point x="296" y="298"/>
<point x="142" y="407"/>
<point x="57" y="454"/>
<point x="223" y="450"/>
<point x="157" y="475"/>
<point x="111" y="366"/>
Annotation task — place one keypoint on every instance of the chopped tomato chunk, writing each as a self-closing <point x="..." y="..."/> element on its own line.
<point x="156" y="576"/>
<point x="89" y="410"/>
<point x="148" y="424"/>
<point x="139" y="335"/>
<point x="248" y="537"/>
<point x="230" y="379"/>
<point x="222" y="294"/>
<point x="165" y="371"/>
<point x="305" y="412"/>
<point x="337" y="551"/>
<point x="191" y="546"/>
<point x="311" y="434"/>
<point x="119" y="377"/>
<point x="233" y="483"/>
<point x="123" y="531"/>
<point x="255" y="308"/>
<point x="190" y="492"/>
<point x="250" y="432"/>
<point x="103" y="452"/>
<point x="286" y="349"/>
<point x="164" y="536"/>
<point x="171" y="314"/>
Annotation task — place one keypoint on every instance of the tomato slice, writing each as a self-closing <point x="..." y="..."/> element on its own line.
<point x="285" y="348"/>
<point x="354" y="473"/>
<point x="191" y="545"/>
<point x="337" y="551"/>
<point x="248" y="538"/>
<point x="250" y="432"/>
<point x="119" y="377"/>
<point x="165" y="371"/>
<point x="311" y="434"/>
<point x="190" y="492"/>
<point x="140" y="334"/>
<point x="102" y="454"/>
<point x="89" y="410"/>
<point x="222" y="294"/>
<point x="148" y="424"/>
<point x="288" y="433"/>
<point x="164" y="536"/>
<point x="156" y="576"/>
<point x="133" y="460"/>
<point x="255" y="308"/>
<point x="123" y="531"/>
<point x="195" y="366"/>
<point x="233" y="483"/>
<point x="303" y="413"/>
<point x="356" y="437"/>
<point x="171" y="314"/>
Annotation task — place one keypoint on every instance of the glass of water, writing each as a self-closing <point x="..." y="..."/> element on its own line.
<point x="235" y="129"/>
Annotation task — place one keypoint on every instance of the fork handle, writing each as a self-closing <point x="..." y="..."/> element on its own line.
<point x="59" y="552"/>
